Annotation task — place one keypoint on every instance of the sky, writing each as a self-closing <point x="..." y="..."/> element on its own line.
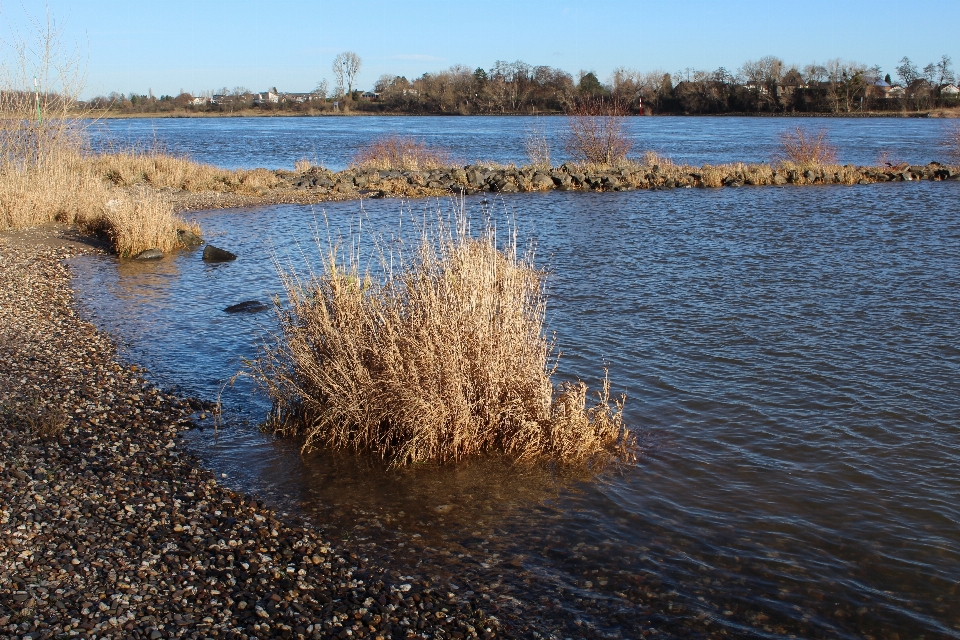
<point x="202" y="45"/>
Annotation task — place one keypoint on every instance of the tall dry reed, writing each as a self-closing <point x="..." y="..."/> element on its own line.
<point x="444" y="357"/>
<point x="401" y="153"/>
<point x="537" y="146"/>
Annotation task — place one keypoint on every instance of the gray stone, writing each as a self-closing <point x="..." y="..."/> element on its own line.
<point x="149" y="254"/>
<point x="188" y="238"/>
<point x="542" y="181"/>
<point x="216" y="254"/>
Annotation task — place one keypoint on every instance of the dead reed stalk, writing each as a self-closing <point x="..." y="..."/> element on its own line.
<point x="401" y="153"/>
<point x="439" y="359"/>
<point x="597" y="133"/>
<point x="537" y="146"/>
<point x="806" y="148"/>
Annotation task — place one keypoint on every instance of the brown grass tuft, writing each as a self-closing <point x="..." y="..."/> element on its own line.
<point x="806" y="148"/>
<point x="597" y="134"/>
<point x="441" y="359"/>
<point x="401" y="153"/>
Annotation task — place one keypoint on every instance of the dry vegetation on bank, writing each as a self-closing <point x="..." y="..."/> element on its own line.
<point x="441" y="358"/>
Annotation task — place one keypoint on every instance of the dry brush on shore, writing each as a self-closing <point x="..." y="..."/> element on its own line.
<point x="441" y="357"/>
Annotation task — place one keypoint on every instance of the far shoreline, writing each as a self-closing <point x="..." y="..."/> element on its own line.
<point x="252" y="113"/>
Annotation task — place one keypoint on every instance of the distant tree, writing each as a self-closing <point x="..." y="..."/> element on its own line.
<point x="945" y="70"/>
<point x="930" y="73"/>
<point x="321" y="90"/>
<point x="888" y="79"/>
<point x="346" y="66"/>
<point x="479" y="75"/>
<point x="907" y="72"/>
<point x="591" y="86"/>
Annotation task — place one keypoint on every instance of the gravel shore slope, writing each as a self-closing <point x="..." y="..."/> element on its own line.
<point x="108" y="529"/>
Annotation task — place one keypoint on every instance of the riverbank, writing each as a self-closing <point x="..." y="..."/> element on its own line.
<point x="109" y="528"/>
<point x="948" y="112"/>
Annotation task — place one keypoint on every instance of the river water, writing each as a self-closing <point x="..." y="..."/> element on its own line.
<point x="791" y="359"/>
<point x="332" y="141"/>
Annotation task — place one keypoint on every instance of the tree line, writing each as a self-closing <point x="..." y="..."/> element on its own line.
<point x="764" y="86"/>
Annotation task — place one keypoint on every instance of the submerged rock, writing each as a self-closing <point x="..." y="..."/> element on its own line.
<point x="188" y="238"/>
<point x="216" y="254"/>
<point x="149" y="254"/>
<point x="248" y="306"/>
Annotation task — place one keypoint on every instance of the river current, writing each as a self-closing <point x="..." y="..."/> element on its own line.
<point x="790" y="357"/>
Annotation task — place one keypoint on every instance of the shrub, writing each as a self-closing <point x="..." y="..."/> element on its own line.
<point x="806" y="148"/>
<point x="401" y="153"/>
<point x="442" y="358"/>
<point x="596" y="134"/>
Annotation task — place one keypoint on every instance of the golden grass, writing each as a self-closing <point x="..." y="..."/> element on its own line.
<point x="401" y="153"/>
<point x="63" y="184"/>
<point x="443" y="358"/>
<point x="160" y="170"/>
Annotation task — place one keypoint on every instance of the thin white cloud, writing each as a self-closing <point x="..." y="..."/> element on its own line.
<point x="419" y="57"/>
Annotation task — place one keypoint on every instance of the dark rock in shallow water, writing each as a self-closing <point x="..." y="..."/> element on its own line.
<point x="216" y="254"/>
<point x="149" y="254"/>
<point x="188" y="238"/>
<point x="249" y="306"/>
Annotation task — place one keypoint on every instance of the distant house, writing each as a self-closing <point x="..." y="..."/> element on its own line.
<point x="298" y="98"/>
<point x="271" y="96"/>
<point x="919" y="87"/>
<point x="878" y="88"/>
<point x="792" y="80"/>
<point x="950" y="91"/>
<point x="897" y="92"/>
<point x="370" y="95"/>
<point x="199" y="101"/>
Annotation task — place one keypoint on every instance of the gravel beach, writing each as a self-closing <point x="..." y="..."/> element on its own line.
<point x="109" y="529"/>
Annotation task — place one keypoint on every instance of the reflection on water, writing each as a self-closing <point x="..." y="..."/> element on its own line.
<point x="790" y="356"/>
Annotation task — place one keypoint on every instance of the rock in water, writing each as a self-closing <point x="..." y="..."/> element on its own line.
<point x="149" y="254"/>
<point x="249" y="306"/>
<point x="188" y="238"/>
<point x="215" y="254"/>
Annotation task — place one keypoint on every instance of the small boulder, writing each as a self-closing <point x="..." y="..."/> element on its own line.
<point x="248" y="306"/>
<point x="188" y="238"/>
<point x="216" y="254"/>
<point x="149" y="254"/>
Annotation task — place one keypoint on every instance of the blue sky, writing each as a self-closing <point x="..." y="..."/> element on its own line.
<point x="202" y="45"/>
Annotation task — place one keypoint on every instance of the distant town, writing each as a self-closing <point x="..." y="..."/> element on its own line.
<point x="764" y="86"/>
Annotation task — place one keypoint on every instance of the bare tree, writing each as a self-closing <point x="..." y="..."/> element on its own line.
<point x="322" y="89"/>
<point x="345" y="68"/>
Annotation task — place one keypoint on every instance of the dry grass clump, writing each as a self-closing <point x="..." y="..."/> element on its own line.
<point x="135" y="222"/>
<point x="401" y="153"/>
<point x="441" y="359"/>
<point x="806" y="148"/>
<point x="597" y="133"/>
